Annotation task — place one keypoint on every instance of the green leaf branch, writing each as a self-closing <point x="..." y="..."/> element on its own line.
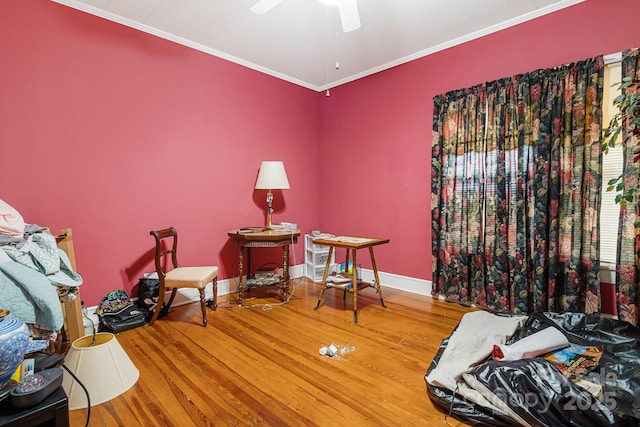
<point x="624" y="125"/>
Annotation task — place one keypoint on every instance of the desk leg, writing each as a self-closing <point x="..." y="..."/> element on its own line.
<point x="354" y="286"/>
<point x="284" y="289"/>
<point x="249" y="274"/>
<point x="324" y="277"/>
<point x="240" y="274"/>
<point x="375" y="274"/>
<point x="346" y="262"/>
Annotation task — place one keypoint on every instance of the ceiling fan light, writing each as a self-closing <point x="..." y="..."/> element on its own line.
<point x="263" y="6"/>
<point x="348" y="9"/>
<point x="349" y="15"/>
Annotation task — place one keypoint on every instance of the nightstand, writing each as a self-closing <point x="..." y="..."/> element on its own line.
<point x="53" y="411"/>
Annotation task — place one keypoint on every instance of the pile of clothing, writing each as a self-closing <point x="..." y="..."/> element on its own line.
<point x="35" y="275"/>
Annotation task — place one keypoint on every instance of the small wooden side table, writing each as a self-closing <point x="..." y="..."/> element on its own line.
<point x="250" y="238"/>
<point x="351" y="244"/>
<point x="53" y="411"/>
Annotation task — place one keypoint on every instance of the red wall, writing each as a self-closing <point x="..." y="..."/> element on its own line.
<point x="115" y="132"/>
<point x="376" y="132"/>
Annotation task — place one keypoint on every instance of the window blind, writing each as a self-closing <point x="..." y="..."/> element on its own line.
<point x="611" y="168"/>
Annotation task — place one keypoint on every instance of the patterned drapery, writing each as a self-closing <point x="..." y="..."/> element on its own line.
<point x="516" y="176"/>
<point x="628" y="269"/>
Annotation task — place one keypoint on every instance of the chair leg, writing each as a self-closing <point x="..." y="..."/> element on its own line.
<point x="203" y="306"/>
<point x="214" y="290"/>
<point x="158" y="305"/>
<point x="173" y="295"/>
<point x="213" y="302"/>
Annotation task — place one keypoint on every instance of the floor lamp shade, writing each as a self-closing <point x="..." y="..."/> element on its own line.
<point x="104" y="368"/>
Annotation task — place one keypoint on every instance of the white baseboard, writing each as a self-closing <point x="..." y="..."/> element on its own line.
<point x="402" y="283"/>
<point x="389" y="280"/>
<point x="229" y="286"/>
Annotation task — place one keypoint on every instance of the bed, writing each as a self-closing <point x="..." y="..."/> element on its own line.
<point x="470" y="384"/>
<point x="39" y="285"/>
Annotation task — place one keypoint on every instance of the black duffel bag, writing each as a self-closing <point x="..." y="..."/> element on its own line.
<point x="118" y="313"/>
<point x="148" y="293"/>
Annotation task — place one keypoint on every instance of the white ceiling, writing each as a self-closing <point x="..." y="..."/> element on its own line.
<point x="301" y="41"/>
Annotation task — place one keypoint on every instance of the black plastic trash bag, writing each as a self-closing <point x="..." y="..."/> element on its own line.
<point x="536" y="392"/>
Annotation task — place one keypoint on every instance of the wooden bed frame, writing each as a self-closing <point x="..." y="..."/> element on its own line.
<point x="73" y="327"/>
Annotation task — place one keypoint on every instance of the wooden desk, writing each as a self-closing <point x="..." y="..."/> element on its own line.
<point x="351" y="244"/>
<point x="262" y="239"/>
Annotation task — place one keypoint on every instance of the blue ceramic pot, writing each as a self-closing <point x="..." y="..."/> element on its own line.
<point x="14" y="340"/>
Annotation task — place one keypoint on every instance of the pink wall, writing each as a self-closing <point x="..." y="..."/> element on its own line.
<point x="115" y="132"/>
<point x="375" y="146"/>
<point x="99" y="122"/>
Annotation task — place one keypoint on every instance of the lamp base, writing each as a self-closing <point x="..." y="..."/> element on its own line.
<point x="269" y="208"/>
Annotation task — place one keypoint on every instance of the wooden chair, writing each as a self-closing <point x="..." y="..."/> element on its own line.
<point x="172" y="275"/>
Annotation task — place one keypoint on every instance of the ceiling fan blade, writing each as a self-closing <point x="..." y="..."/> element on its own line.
<point x="264" y="6"/>
<point x="349" y="15"/>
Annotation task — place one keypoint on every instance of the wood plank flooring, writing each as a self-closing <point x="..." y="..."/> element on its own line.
<point x="261" y="366"/>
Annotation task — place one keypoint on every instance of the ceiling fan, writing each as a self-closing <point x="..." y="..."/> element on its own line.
<point x="348" y="10"/>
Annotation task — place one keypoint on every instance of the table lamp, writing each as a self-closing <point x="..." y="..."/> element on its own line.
<point x="272" y="176"/>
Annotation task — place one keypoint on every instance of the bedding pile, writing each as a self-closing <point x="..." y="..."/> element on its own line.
<point x="35" y="275"/>
<point x="591" y="379"/>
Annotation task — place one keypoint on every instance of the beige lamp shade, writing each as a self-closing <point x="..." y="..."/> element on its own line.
<point x="272" y="176"/>
<point x="104" y="368"/>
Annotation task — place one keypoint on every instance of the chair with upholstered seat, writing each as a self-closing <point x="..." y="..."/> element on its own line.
<point x="174" y="276"/>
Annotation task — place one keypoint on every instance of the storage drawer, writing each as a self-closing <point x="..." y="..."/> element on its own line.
<point x="315" y="272"/>
<point x="316" y="248"/>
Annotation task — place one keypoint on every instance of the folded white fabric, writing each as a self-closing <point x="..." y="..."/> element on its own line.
<point x="11" y="222"/>
<point x="471" y="343"/>
<point x="544" y="341"/>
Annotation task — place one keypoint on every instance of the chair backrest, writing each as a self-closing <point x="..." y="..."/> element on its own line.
<point x="166" y="244"/>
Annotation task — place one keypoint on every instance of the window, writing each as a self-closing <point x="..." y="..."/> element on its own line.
<point x="611" y="168"/>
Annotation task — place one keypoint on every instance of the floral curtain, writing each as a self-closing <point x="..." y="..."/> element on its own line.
<point x="516" y="175"/>
<point x="628" y="271"/>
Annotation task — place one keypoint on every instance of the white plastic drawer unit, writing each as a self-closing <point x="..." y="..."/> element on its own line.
<point x="315" y="258"/>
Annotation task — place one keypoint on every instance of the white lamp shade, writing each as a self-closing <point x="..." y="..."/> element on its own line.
<point x="104" y="368"/>
<point x="272" y="176"/>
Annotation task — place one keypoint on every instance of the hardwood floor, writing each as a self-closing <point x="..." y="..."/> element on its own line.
<point x="261" y="366"/>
